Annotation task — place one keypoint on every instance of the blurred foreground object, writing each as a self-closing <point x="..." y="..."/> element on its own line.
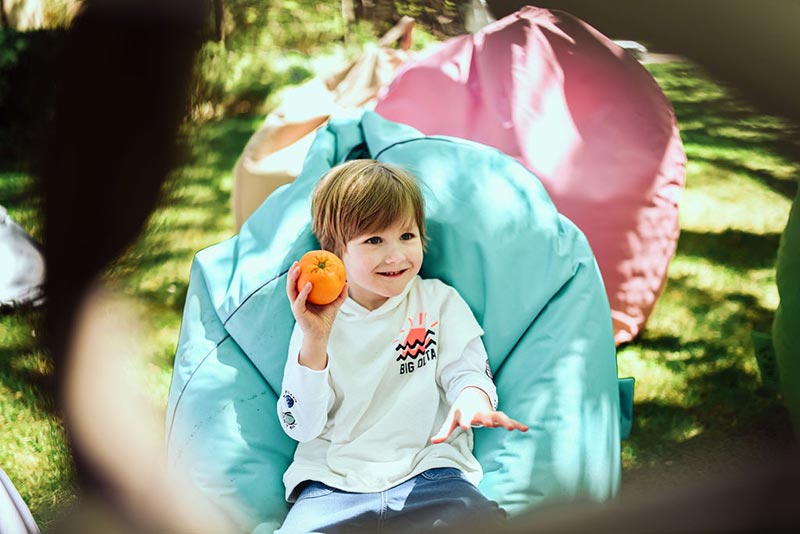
<point x="274" y="155"/>
<point x="22" y="268"/>
<point x="581" y="114"/>
<point x="134" y="57"/>
<point x="15" y="517"/>
<point x="786" y="326"/>
<point x="120" y="430"/>
<point x="755" y="498"/>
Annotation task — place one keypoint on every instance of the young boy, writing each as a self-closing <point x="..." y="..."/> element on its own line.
<point x="382" y="385"/>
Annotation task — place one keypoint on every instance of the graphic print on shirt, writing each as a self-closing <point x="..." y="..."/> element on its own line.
<point x="418" y="345"/>
<point x="287" y="418"/>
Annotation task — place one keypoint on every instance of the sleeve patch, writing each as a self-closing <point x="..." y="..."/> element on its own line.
<point x="289" y="399"/>
<point x="287" y="418"/>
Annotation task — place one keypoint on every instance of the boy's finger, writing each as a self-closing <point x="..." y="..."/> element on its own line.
<point x="510" y="424"/>
<point x="498" y="419"/>
<point x="299" y="303"/>
<point x="483" y="419"/>
<point x="463" y="422"/>
<point x="513" y="424"/>
<point x="291" y="282"/>
<point x="520" y="426"/>
<point x="305" y="292"/>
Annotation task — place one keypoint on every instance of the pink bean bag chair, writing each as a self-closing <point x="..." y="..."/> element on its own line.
<point x="580" y="113"/>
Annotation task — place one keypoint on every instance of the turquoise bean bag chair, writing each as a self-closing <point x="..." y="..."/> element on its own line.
<point x="527" y="273"/>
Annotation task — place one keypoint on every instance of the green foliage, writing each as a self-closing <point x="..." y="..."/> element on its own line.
<point x="244" y="17"/>
<point x="230" y="80"/>
<point x="237" y="75"/>
<point x="444" y="18"/>
<point x="33" y="450"/>
<point x="305" y="26"/>
<point x="29" y="68"/>
<point x="11" y="47"/>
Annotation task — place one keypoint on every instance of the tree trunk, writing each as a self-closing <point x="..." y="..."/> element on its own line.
<point x="219" y="20"/>
<point x="384" y="14"/>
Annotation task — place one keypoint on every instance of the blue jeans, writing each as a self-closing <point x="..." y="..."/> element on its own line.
<point x="436" y="497"/>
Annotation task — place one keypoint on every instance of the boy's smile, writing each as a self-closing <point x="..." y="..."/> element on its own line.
<point x="380" y="264"/>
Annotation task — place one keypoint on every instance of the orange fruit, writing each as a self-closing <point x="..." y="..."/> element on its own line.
<point x="326" y="273"/>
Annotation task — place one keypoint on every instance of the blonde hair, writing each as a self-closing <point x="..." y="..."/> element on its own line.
<point x="362" y="196"/>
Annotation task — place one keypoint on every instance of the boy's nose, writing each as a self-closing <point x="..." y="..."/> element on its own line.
<point x="393" y="254"/>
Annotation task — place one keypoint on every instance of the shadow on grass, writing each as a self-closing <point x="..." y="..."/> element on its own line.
<point x="18" y="194"/>
<point x="735" y="249"/>
<point x="195" y="201"/>
<point x="209" y="152"/>
<point x="170" y="296"/>
<point x="719" y="402"/>
<point x="713" y="116"/>
<point x="34" y="387"/>
<point x="721" y="316"/>
<point x="728" y="409"/>
<point x="15" y="195"/>
<point x="20" y="363"/>
<point x="782" y="186"/>
<point x="30" y="66"/>
<point x="158" y="255"/>
<point x="703" y="458"/>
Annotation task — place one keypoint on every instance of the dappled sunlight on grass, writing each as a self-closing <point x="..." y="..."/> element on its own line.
<point x="699" y="391"/>
<point x="742" y="153"/>
<point x="716" y="199"/>
<point x="716" y="284"/>
<point x="24" y="368"/>
<point x="194" y="213"/>
<point x="33" y="449"/>
<point x="19" y="196"/>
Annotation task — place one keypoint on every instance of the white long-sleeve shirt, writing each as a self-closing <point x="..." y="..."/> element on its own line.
<point x="364" y="423"/>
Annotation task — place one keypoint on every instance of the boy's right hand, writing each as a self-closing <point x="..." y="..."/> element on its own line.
<point x="314" y="320"/>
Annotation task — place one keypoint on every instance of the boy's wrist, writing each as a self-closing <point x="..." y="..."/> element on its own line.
<point x="314" y="353"/>
<point x="478" y="393"/>
<point x="314" y="362"/>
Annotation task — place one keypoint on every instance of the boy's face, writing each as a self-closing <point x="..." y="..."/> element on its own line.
<point x="380" y="264"/>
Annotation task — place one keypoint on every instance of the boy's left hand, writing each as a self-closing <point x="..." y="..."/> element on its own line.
<point x="472" y="407"/>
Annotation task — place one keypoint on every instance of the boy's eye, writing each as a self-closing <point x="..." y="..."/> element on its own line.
<point x="373" y="240"/>
<point x="407" y="236"/>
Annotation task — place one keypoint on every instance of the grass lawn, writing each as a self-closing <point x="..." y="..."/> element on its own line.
<point x="700" y="404"/>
